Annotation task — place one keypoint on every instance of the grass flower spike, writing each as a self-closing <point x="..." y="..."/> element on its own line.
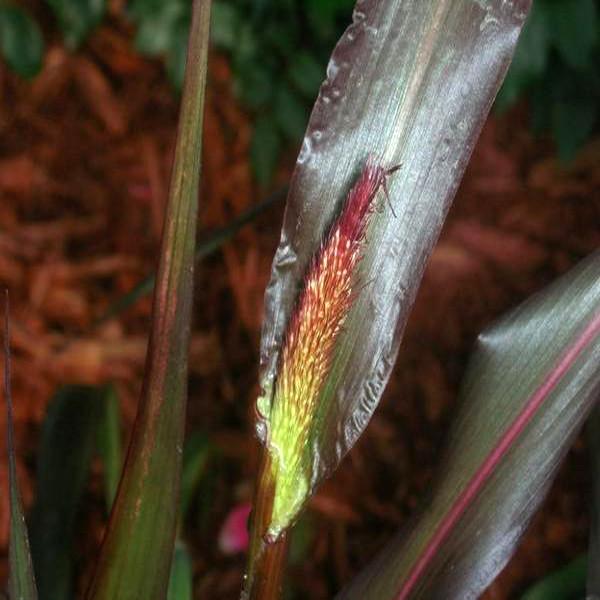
<point x="308" y="347"/>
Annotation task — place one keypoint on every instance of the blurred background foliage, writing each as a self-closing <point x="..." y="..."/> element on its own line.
<point x="279" y="49"/>
<point x="556" y="67"/>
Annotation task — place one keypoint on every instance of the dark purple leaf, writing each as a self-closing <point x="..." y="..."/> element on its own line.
<point x="532" y="381"/>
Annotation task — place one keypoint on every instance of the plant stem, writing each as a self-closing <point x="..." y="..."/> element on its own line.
<point x="136" y="555"/>
<point x="266" y="559"/>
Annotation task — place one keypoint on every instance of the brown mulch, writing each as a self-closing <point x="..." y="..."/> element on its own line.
<point x="85" y="153"/>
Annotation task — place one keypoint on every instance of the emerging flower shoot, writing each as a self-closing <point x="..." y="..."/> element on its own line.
<point x="330" y="288"/>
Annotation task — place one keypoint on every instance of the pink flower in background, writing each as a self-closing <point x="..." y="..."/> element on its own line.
<point x="233" y="537"/>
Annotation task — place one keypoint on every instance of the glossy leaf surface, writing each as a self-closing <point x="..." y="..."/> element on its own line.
<point x="21" y="581"/>
<point x="533" y="379"/>
<point x="136" y="555"/>
<point x="409" y="82"/>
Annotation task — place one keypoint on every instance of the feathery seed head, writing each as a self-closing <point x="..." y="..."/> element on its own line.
<point x="308" y="346"/>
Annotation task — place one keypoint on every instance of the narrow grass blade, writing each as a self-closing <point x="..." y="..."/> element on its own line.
<point x="21" y="581"/>
<point x="204" y="248"/>
<point x="136" y="555"/>
<point x="63" y="467"/>
<point x="532" y="381"/>
<point x="109" y="443"/>
<point x="410" y="83"/>
<point x="593" y="575"/>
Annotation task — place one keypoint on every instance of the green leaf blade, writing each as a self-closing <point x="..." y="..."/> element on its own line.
<point x="532" y="381"/>
<point x="137" y="552"/>
<point x="573" y="121"/>
<point x="564" y="584"/>
<point x="109" y="443"/>
<point x="21" y="41"/>
<point x="180" y="584"/>
<point x="574" y="29"/>
<point x="63" y="465"/>
<point x="226" y="23"/>
<point x="530" y="60"/>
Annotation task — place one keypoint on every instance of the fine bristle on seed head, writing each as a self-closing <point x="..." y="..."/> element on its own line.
<point x="308" y="347"/>
<point x="360" y="201"/>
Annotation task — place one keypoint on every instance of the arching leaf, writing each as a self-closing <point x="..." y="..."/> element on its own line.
<point x="532" y="381"/>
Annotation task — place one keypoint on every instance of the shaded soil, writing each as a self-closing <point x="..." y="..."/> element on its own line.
<point x="85" y="152"/>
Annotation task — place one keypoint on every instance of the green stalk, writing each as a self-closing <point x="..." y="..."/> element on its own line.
<point x="135" y="560"/>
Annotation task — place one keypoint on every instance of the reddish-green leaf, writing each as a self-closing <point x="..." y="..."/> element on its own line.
<point x="137" y="551"/>
<point x="409" y="82"/>
<point x="532" y="381"/>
